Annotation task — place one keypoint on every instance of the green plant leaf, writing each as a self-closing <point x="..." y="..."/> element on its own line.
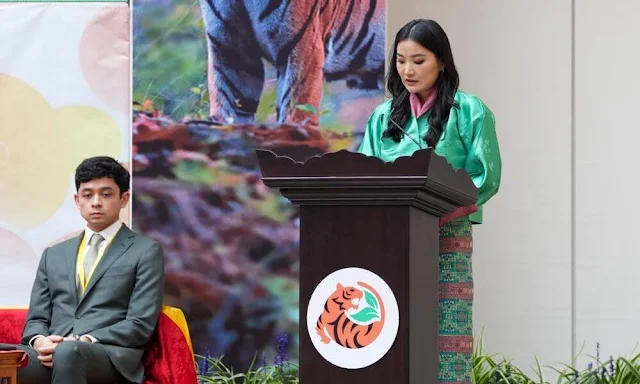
<point x="365" y="315"/>
<point x="371" y="300"/>
<point x="307" y="108"/>
<point x="193" y="172"/>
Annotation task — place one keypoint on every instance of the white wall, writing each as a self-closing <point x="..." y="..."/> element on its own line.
<point x="607" y="51"/>
<point x="516" y="56"/>
<point x="556" y="260"/>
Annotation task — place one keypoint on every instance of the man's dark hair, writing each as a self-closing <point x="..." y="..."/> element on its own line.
<point x="102" y="166"/>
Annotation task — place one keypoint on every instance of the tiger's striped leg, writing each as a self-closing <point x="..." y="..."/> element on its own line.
<point x="300" y="74"/>
<point x="235" y="68"/>
<point x="455" y="342"/>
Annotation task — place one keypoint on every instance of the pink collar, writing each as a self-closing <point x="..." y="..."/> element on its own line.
<point x="417" y="107"/>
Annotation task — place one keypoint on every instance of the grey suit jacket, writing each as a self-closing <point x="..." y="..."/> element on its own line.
<point x="121" y="304"/>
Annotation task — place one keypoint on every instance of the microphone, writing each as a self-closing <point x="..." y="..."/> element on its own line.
<point x="403" y="131"/>
<point x="402" y="96"/>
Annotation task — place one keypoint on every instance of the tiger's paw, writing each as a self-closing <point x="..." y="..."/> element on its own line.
<point x="322" y="335"/>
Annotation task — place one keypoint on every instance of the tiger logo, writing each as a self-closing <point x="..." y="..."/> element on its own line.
<point x="346" y="322"/>
<point x="307" y="41"/>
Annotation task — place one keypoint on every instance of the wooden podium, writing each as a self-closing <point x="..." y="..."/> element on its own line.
<point x="357" y="211"/>
<point x="10" y="361"/>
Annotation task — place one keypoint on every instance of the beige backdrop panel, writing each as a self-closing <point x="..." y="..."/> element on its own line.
<point x="517" y="57"/>
<point x="64" y="96"/>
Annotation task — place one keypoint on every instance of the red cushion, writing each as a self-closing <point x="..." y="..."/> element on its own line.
<point x="168" y="358"/>
<point x="11" y="324"/>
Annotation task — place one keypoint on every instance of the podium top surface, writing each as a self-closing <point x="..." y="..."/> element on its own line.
<point x="424" y="163"/>
<point x="345" y="175"/>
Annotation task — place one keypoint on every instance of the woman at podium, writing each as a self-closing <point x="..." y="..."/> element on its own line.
<point x="427" y="110"/>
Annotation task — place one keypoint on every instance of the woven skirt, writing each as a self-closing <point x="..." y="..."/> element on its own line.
<point x="455" y="342"/>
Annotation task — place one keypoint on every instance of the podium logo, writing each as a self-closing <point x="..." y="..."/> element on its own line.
<point x="351" y="329"/>
<point x="352" y="318"/>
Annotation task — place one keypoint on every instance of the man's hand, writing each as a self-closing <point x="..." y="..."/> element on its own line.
<point x="44" y="346"/>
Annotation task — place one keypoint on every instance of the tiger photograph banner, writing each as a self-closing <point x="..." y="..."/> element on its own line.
<point x="212" y="81"/>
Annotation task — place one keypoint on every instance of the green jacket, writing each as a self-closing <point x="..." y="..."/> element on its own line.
<point x="468" y="141"/>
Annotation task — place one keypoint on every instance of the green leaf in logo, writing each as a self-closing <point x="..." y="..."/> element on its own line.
<point x="371" y="300"/>
<point x="367" y="314"/>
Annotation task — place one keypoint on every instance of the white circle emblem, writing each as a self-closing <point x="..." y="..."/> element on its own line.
<point x="352" y="318"/>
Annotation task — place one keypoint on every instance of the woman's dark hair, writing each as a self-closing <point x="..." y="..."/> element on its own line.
<point x="431" y="36"/>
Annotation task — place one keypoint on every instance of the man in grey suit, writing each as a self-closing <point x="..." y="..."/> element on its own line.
<point x="97" y="297"/>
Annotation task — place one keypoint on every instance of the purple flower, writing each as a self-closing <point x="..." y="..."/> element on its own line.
<point x="205" y="366"/>
<point x="281" y="354"/>
<point x="612" y="368"/>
